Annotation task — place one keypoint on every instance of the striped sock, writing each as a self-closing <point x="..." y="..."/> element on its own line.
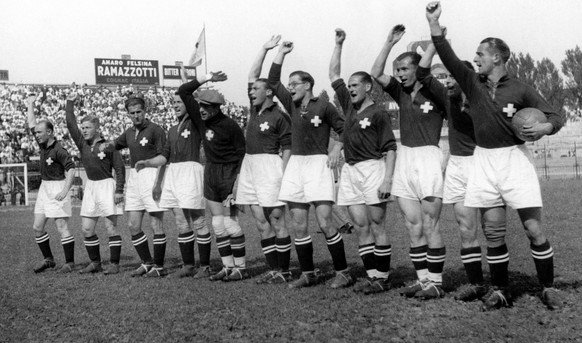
<point x="270" y="252"/>
<point x="115" y="249"/>
<point x="283" y="246"/>
<point x="140" y="243"/>
<point x="366" y="252"/>
<point x="225" y="251"/>
<point x="92" y="246"/>
<point x="44" y="246"/>
<point x="471" y="258"/>
<point x="186" y="243"/>
<point x="304" y="248"/>
<point x="204" y="244"/>
<point x="335" y="245"/>
<point x="543" y="256"/>
<point x="69" y="248"/>
<point x="383" y="254"/>
<point x="498" y="259"/>
<point x="435" y="261"/>
<point x="418" y="257"/>
<point x="238" y="250"/>
<point x="159" y="249"/>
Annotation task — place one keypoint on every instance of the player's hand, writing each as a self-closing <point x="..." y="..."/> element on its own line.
<point x="384" y="189"/>
<point x="72" y="96"/>
<point x="433" y="11"/>
<point x="118" y="198"/>
<point x="396" y="33"/>
<point x="62" y="195"/>
<point x="333" y="158"/>
<point x="229" y="201"/>
<point x="157" y="192"/>
<point x="30" y="99"/>
<point x="271" y="43"/>
<point x="444" y="30"/>
<point x="286" y="47"/>
<point x="218" y="76"/>
<point x="139" y="165"/>
<point x="340" y="36"/>
<point x="535" y="131"/>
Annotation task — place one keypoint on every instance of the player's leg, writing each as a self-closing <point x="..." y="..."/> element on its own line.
<point x="412" y="213"/>
<point x="203" y="240"/>
<point x="494" y="229"/>
<point x="468" y="221"/>
<point x="382" y="248"/>
<point x="335" y="244"/>
<point x="91" y="241"/>
<point x="436" y="252"/>
<point x="237" y="244"/>
<point x="222" y="239"/>
<point x="542" y="253"/>
<point x="186" y="238"/>
<point x="68" y="242"/>
<point x="42" y="240"/>
<point x="276" y="217"/>
<point x="340" y="219"/>
<point x="114" y="245"/>
<point x="366" y="242"/>
<point x="299" y="214"/>
<point x="140" y="242"/>
<point x="157" y="224"/>
<point x="268" y="239"/>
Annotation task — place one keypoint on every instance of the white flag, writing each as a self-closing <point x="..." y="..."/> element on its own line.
<point x="199" y="52"/>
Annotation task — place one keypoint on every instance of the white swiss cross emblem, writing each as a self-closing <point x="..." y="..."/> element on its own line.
<point x="185" y="133"/>
<point x="209" y="135"/>
<point x="365" y="123"/>
<point x="101" y="155"/>
<point x="49" y="161"/>
<point x="510" y="110"/>
<point x="316" y="121"/>
<point x="426" y="107"/>
<point x="264" y="126"/>
<point x="143" y="141"/>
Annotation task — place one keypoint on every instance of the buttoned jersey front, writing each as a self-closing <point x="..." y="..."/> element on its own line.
<point x="98" y="164"/>
<point x="368" y="134"/>
<point x="268" y="131"/>
<point x="421" y="118"/>
<point x="144" y="144"/>
<point x="310" y="126"/>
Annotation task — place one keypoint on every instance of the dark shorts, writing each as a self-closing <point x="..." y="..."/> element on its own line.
<point x="219" y="179"/>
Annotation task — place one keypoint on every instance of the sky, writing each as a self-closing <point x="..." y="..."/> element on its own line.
<point x="57" y="41"/>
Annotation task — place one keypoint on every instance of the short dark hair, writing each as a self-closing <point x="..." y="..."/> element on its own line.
<point x="47" y="123"/>
<point x="91" y="119"/>
<point x="133" y="101"/>
<point x="498" y="46"/>
<point x="364" y="77"/>
<point x="414" y="57"/>
<point x="304" y="76"/>
<point x="266" y="82"/>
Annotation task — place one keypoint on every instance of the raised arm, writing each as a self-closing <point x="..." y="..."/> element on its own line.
<point x="30" y="106"/>
<point x="380" y="63"/>
<point x="255" y="72"/>
<point x="275" y="77"/>
<point x="72" y="126"/>
<point x="335" y="63"/>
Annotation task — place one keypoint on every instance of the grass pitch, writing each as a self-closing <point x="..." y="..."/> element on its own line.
<point x="51" y="307"/>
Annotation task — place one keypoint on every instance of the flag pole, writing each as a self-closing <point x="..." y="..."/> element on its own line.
<point x="205" y="58"/>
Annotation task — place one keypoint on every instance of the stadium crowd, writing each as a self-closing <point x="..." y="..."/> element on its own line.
<point x="17" y="144"/>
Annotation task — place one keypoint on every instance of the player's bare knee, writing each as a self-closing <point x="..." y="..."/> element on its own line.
<point x="218" y="226"/>
<point x="232" y="226"/>
<point x="494" y="231"/>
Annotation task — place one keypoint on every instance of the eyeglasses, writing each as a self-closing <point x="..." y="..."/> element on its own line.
<point x="294" y="84"/>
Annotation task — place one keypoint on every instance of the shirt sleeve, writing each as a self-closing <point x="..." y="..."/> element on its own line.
<point x="335" y="120"/>
<point x="534" y="99"/>
<point x="185" y="92"/>
<point x="343" y="95"/>
<point x="119" y="168"/>
<point x="239" y="144"/>
<point x="284" y="129"/>
<point x="466" y="77"/>
<point x="393" y="88"/>
<point x="121" y="141"/>
<point x="386" y="139"/>
<point x="160" y="137"/>
<point x="72" y="126"/>
<point x="65" y="159"/>
<point x="167" y="149"/>
<point x="280" y="91"/>
<point x="437" y="89"/>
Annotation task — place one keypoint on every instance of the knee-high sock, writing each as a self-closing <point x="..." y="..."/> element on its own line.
<point x="186" y="243"/>
<point x="44" y="246"/>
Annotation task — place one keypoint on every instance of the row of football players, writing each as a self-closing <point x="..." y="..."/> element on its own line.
<point x="489" y="168"/>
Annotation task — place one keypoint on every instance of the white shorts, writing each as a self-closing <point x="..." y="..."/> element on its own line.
<point x="259" y="181"/>
<point x="503" y="176"/>
<point x="99" y="199"/>
<point x="456" y="176"/>
<point x="418" y="173"/>
<point x="46" y="203"/>
<point x="183" y="186"/>
<point x="138" y="196"/>
<point x="307" y="179"/>
<point x="359" y="183"/>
